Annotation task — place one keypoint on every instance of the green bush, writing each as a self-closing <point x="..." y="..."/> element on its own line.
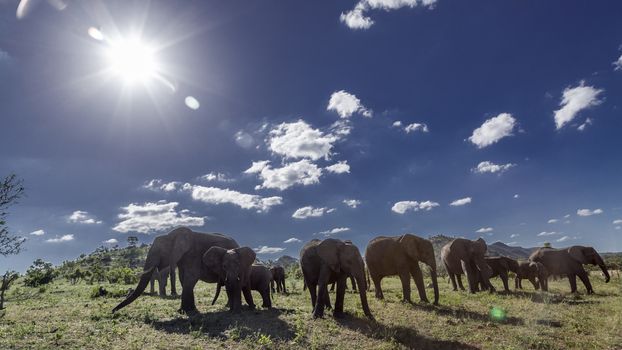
<point x="123" y="275"/>
<point x="39" y="273"/>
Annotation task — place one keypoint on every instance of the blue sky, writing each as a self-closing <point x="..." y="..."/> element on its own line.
<point x="326" y="118"/>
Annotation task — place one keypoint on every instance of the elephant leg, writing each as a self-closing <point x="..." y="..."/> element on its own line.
<point x="573" y="283"/>
<point x="341" y="291"/>
<point x="418" y="277"/>
<point x="283" y="283"/>
<point x="504" y="279"/>
<point x="332" y="287"/>
<point x="162" y="284"/>
<point x="534" y="283"/>
<point x="327" y="303"/>
<point x="318" y="311"/>
<point x="187" y="295"/>
<point x="265" y="296"/>
<point x="377" y="286"/>
<point x="152" y="285"/>
<point x="272" y="286"/>
<point x="405" y="278"/>
<point x="452" y="278"/>
<point x="459" y="278"/>
<point x="313" y="293"/>
<point x="173" y="281"/>
<point x="471" y="279"/>
<point x="248" y="296"/>
<point x="586" y="281"/>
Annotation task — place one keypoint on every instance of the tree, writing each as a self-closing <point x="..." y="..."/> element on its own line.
<point x="132" y="241"/>
<point x="11" y="190"/>
<point x="547" y="245"/>
<point x="7" y="279"/>
<point x="39" y="273"/>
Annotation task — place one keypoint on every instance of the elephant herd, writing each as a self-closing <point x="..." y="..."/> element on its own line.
<point x="216" y="258"/>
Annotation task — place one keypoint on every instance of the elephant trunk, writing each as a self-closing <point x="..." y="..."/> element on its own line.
<point x="142" y="284"/>
<point x="604" y="268"/>
<point x="218" y="286"/>
<point x="362" y="288"/>
<point x="434" y="285"/>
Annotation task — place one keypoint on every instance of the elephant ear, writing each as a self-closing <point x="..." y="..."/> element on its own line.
<point x="579" y="254"/>
<point x="213" y="259"/>
<point x="247" y="256"/>
<point x="410" y="246"/>
<point x="328" y="251"/>
<point x="479" y="246"/>
<point x="181" y="245"/>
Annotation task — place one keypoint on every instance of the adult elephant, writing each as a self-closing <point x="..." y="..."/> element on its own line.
<point x="278" y="277"/>
<point x="400" y="255"/>
<point x="161" y="276"/>
<point x="328" y="261"/>
<point x="535" y="272"/>
<point x="569" y="262"/>
<point x="260" y="279"/>
<point x="183" y="248"/>
<point x="465" y="256"/>
<point x="501" y="266"/>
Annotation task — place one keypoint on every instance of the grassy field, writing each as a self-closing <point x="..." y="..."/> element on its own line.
<point x="66" y="316"/>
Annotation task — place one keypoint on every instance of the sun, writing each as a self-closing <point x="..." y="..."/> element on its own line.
<point x="132" y="60"/>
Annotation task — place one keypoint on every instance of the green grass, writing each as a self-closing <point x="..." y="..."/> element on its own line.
<point x="66" y="316"/>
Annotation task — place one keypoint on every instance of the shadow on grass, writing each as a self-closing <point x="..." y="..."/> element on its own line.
<point x="225" y="324"/>
<point x="462" y="313"/>
<point x="554" y="298"/>
<point x="407" y="336"/>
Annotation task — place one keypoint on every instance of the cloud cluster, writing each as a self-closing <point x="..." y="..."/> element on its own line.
<point x="617" y="65"/>
<point x="268" y="250"/>
<point x="160" y="186"/>
<point x="303" y="172"/>
<point x="574" y="100"/>
<point x="352" y="203"/>
<point x="346" y="104"/>
<point x="292" y="240"/>
<point x="544" y="233"/>
<point x="357" y="18"/>
<point x="341" y="167"/>
<point x="216" y="196"/>
<point x="490" y="167"/>
<point x="493" y="130"/>
<point x="111" y="241"/>
<point x="485" y="230"/>
<point x="37" y="233"/>
<point x="411" y="127"/>
<point x="64" y="238"/>
<point x="82" y="217"/>
<point x="589" y="212"/>
<point x="334" y="231"/>
<point x="461" y="202"/>
<point x="311" y="212"/>
<point x="217" y="177"/>
<point x="154" y="217"/>
<point x="299" y="140"/>
<point x="404" y="206"/>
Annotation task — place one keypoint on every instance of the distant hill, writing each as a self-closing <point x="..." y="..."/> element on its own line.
<point x="286" y="261"/>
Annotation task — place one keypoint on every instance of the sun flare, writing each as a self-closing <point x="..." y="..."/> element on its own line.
<point x="132" y="60"/>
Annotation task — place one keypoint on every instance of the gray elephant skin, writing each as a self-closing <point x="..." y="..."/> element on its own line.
<point x="569" y="262"/>
<point x="260" y="278"/>
<point x="535" y="272"/>
<point x="465" y="256"/>
<point x="400" y="256"/>
<point x="161" y="277"/>
<point x="328" y="261"/>
<point x="234" y="270"/>
<point x="183" y="248"/>
<point x="278" y="277"/>
<point x="501" y="266"/>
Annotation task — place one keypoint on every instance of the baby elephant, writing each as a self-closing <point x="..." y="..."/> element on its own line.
<point x="260" y="277"/>
<point x="278" y="277"/>
<point x="500" y="266"/>
<point x="535" y="272"/>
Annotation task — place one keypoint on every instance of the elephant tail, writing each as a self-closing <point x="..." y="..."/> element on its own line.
<point x="142" y="284"/>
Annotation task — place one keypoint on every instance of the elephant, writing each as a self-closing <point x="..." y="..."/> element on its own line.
<point x="327" y="261"/>
<point x="352" y="282"/>
<point x="161" y="276"/>
<point x="465" y="256"/>
<point x="234" y="270"/>
<point x="500" y="266"/>
<point x="278" y="277"/>
<point x="260" y="279"/>
<point x="184" y="249"/>
<point x="569" y="261"/>
<point x="535" y="272"/>
<point x="400" y="255"/>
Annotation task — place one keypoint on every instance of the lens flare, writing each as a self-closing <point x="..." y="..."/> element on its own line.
<point x="497" y="314"/>
<point x="192" y="103"/>
<point x="96" y="34"/>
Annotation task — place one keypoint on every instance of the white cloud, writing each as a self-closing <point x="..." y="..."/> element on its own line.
<point x="352" y="203"/>
<point x="516" y="196"/>
<point x="397" y="124"/>
<point x="566" y="216"/>
<point x="490" y="167"/>
<point x="587" y="122"/>
<point x="219" y="177"/>
<point x="159" y="185"/>
<point x="302" y="172"/>
<point x="544" y="233"/>
<point x="346" y="104"/>
<point x="615" y="222"/>
<point x="411" y="127"/>
<point x="552" y="221"/>
<point x="588" y="212"/>
<point x="310" y="212"/>
<point x="111" y="241"/>
<point x="292" y="240"/>
<point x="485" y="230"/>
<point x="268" y="250"/>
<point x="82" y="217"/>
<point x="339" y="168"/>
<point x="64" y="238"/>
<point x="244" y="139"/>
<point x="215" y="195"/>
<point x="37" y="233"/>
<point x="154" y="217"/>
<point x="357" y="19"/>
<point x="618" y="227"/>
<point x="574" y="100"/>
<point x="514" y="235"/>
<point x="404" y="206"/>
<point x="299" y="140"/>
<point x="460" y="202"/>
<point x="493" y="130"/>
<point x="564" y="238"/>
<point x="334" y="231"/>
<point x="617" y="65"/>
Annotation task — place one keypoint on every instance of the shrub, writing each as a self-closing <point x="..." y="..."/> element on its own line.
<point x="123" y="275"/>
